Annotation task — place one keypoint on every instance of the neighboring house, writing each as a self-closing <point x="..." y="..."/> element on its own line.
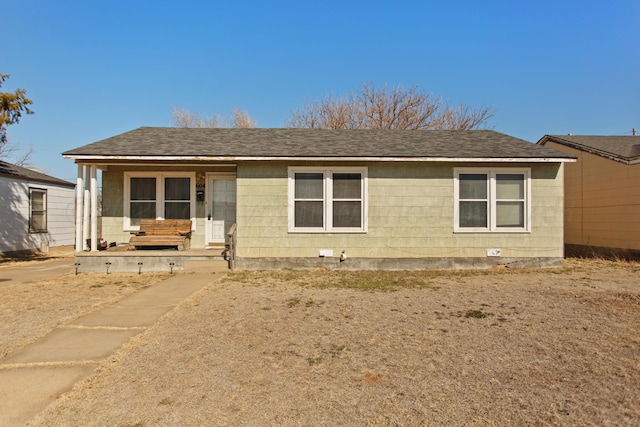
<point x="602" y="194"/>
<point x="36" y="210"/>
<point x="304" y="197"/>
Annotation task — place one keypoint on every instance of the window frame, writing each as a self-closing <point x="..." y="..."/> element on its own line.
<point x="492" y="200"/>
<point x="42" y="191"/>
<point x="327" y="198"/>
<point x="160" y="195"/>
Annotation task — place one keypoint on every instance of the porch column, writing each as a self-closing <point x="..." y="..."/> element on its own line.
<point x="94" y="208"/>
<point x="86" y="207"/>
<point x="79" y="208"/>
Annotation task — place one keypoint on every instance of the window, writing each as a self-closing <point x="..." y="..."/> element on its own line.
<point x="492" y="200"/>
<point x="155" y="195"/>
<point x="327" y="200"/>
<point x="142" y="199"/>
<point x="177" y="198"/>
<point x="37" y="210"/>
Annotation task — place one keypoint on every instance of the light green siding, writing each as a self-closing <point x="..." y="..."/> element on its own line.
<point x="410" y="215"/>
<point x="410" y="211"/>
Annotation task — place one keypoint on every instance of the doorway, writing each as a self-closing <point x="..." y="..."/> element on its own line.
<point x="221" y="208"/>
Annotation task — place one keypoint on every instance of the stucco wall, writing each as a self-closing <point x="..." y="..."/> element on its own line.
<point x="14" y="216"/>
<point x="410" y="215"/>
<point x="602" y="201"/>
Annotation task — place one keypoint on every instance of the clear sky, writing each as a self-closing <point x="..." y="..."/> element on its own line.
<point x="97" y="68"/>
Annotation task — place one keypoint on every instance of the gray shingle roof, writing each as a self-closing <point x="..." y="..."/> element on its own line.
<point x="18" y="172"/>
<point x="624" y="148"/>
<point x="312" y="143"/>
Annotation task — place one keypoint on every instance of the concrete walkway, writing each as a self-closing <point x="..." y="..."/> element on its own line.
<point x="36" y="375"/>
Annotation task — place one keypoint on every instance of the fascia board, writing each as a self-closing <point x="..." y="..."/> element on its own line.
<point x="92" y="158"/>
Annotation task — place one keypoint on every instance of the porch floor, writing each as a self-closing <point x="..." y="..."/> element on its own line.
<point x="150" y="260"/>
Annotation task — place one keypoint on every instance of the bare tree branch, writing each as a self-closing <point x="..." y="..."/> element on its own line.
<point x="13" y="153"/>
<point x="387" y="108"/>
<point x="242" y="119"/>
<point x="181" y="117"/>
<point x="25" y="157"/>
<point x="463" y="117"/>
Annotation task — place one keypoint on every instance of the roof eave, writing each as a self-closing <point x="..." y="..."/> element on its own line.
<point x="100" y="158"/>
<point x="52" y="181"/>
<point x="588" y="149"/>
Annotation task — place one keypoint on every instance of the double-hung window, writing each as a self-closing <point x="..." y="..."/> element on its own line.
<point x="327" y="199"/>
<point x="37" y="210"/>
<point x="492" y="200"/>
<point x="158" y="195"/>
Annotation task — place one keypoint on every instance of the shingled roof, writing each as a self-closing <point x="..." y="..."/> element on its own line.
<point x="18" y="172"/>
<point x="268" y="143"/>
<point x="625" y="149"/>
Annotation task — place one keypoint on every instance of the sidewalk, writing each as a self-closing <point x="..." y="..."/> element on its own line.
<point x="35" y="376"/>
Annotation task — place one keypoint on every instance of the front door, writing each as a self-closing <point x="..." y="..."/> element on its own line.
<point x="221" y="208"/>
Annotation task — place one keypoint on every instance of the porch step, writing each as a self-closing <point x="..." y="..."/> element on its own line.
<point x="218" y="249"/>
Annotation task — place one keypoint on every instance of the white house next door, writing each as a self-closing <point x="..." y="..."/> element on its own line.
<point x="221" y="208"/>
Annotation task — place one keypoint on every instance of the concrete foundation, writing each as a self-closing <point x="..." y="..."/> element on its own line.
<point x="334" y="263"/>
<point x="146" y="261"/>
<point x="143" y="261"/>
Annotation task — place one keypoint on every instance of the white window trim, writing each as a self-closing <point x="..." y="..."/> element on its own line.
<point x="44" y="210"/>
<point x="327" y="199"/>
<point x="491" y="174"/>
<point x="160" y="176"/>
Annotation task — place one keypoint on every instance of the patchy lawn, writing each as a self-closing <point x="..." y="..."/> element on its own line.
<point x="499" y="347"/>
<point x="31" y="310"/>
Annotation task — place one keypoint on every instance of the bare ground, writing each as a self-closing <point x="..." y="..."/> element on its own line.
<point x="500" y="347"/>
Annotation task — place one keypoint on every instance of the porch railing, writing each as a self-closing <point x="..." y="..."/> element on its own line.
<point x="233" y="241"/>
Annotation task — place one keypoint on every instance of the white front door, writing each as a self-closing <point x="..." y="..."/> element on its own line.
<point x="221" y="208"/>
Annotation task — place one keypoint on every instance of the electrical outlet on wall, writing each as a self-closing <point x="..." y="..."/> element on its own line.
<point x="494" y="252"/>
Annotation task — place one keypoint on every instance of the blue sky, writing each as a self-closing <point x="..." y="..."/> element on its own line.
<point x="95" y="69"/>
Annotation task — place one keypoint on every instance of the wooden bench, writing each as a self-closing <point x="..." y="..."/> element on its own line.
<point x="162" y="233"/>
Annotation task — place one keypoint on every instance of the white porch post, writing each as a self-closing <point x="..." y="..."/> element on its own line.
<point x="94" y="208"/>
<point x="85" y="218"/>
<point x="79" y="209"/>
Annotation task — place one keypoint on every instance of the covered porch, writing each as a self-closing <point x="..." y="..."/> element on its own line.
<point x="112" y="198"/>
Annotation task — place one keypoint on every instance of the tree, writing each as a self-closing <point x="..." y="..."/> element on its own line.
<point x="12" y="105"/>
<point x="18" y="156"/>
<point x="181" y="117"/>
<point x="387" y="108"/>
<point x="242" y="119"/>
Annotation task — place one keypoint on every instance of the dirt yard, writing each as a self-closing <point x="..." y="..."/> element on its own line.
<point x="499" y="347"/>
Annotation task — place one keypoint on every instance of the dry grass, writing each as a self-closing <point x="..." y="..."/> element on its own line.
<point x="500" y="347"/>
<point x="30" y="310"/>
<point x="7" y="261"/>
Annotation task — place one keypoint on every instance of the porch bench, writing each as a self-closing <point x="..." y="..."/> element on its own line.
<point x="162" y="233"/>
